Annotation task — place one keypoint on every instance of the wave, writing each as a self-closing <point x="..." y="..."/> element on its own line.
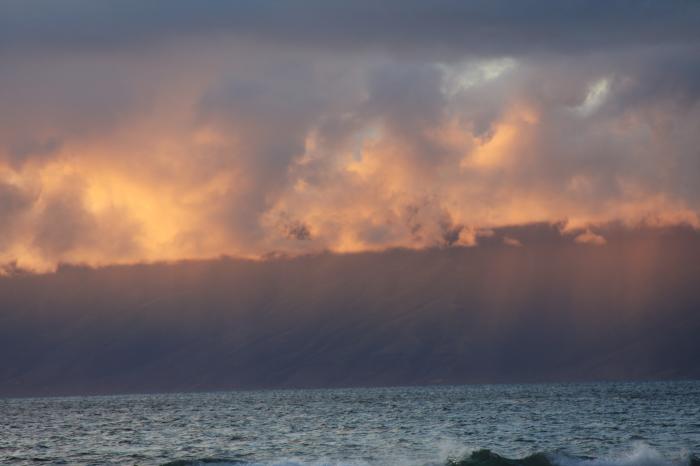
<point x="641" y="455"/>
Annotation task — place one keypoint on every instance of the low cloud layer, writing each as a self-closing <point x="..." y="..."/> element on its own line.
<point x="171" y="130"/>
<point x="553" y="310"/>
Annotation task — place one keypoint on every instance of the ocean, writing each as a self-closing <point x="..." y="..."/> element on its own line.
<point x="592" y="424"/>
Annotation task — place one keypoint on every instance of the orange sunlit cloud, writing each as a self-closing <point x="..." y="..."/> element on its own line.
<point x="292" y="151"/>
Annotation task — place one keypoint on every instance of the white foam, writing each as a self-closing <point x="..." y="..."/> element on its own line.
<point x="641" y="454"/>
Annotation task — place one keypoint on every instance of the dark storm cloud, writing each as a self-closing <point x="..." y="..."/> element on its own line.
<point x="472" y="27"/>
<point x="297" y="230"/>
<point x="546" y="311"/>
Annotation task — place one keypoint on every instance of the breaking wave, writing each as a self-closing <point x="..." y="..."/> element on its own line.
<point x="640" y="455"/>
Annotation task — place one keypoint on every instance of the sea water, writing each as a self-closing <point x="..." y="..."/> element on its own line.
<point x="596" y="424"/>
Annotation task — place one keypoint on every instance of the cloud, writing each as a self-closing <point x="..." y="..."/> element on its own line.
<point x="455" y="27"/>
<point x="21" y="150"/>
<point x="588" y="237"/>
<point x="624" y="310"/>
<point x="294" y="229"/>
<point x="63" y="224"/>
<point x="15" y="202"/>
<point x="512" y="241"/>
<point x="198" y="129"/>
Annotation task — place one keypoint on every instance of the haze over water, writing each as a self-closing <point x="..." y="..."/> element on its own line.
<point x="595" y="424"/>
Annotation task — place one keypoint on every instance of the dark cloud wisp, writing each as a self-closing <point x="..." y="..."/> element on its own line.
<point x="472" y="27"/>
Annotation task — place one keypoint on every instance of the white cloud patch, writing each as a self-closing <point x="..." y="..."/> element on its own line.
<point x="588" y="237"/>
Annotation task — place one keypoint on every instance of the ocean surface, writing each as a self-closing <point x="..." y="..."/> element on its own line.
<point x="597" y="424"/>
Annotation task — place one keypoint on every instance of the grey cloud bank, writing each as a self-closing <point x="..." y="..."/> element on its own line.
<point x="550" y="310"/>
<point x="471" y="27"/>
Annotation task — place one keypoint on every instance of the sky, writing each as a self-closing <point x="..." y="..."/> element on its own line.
<point x="139" y="132"/>
<point x="545" y="148"/>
